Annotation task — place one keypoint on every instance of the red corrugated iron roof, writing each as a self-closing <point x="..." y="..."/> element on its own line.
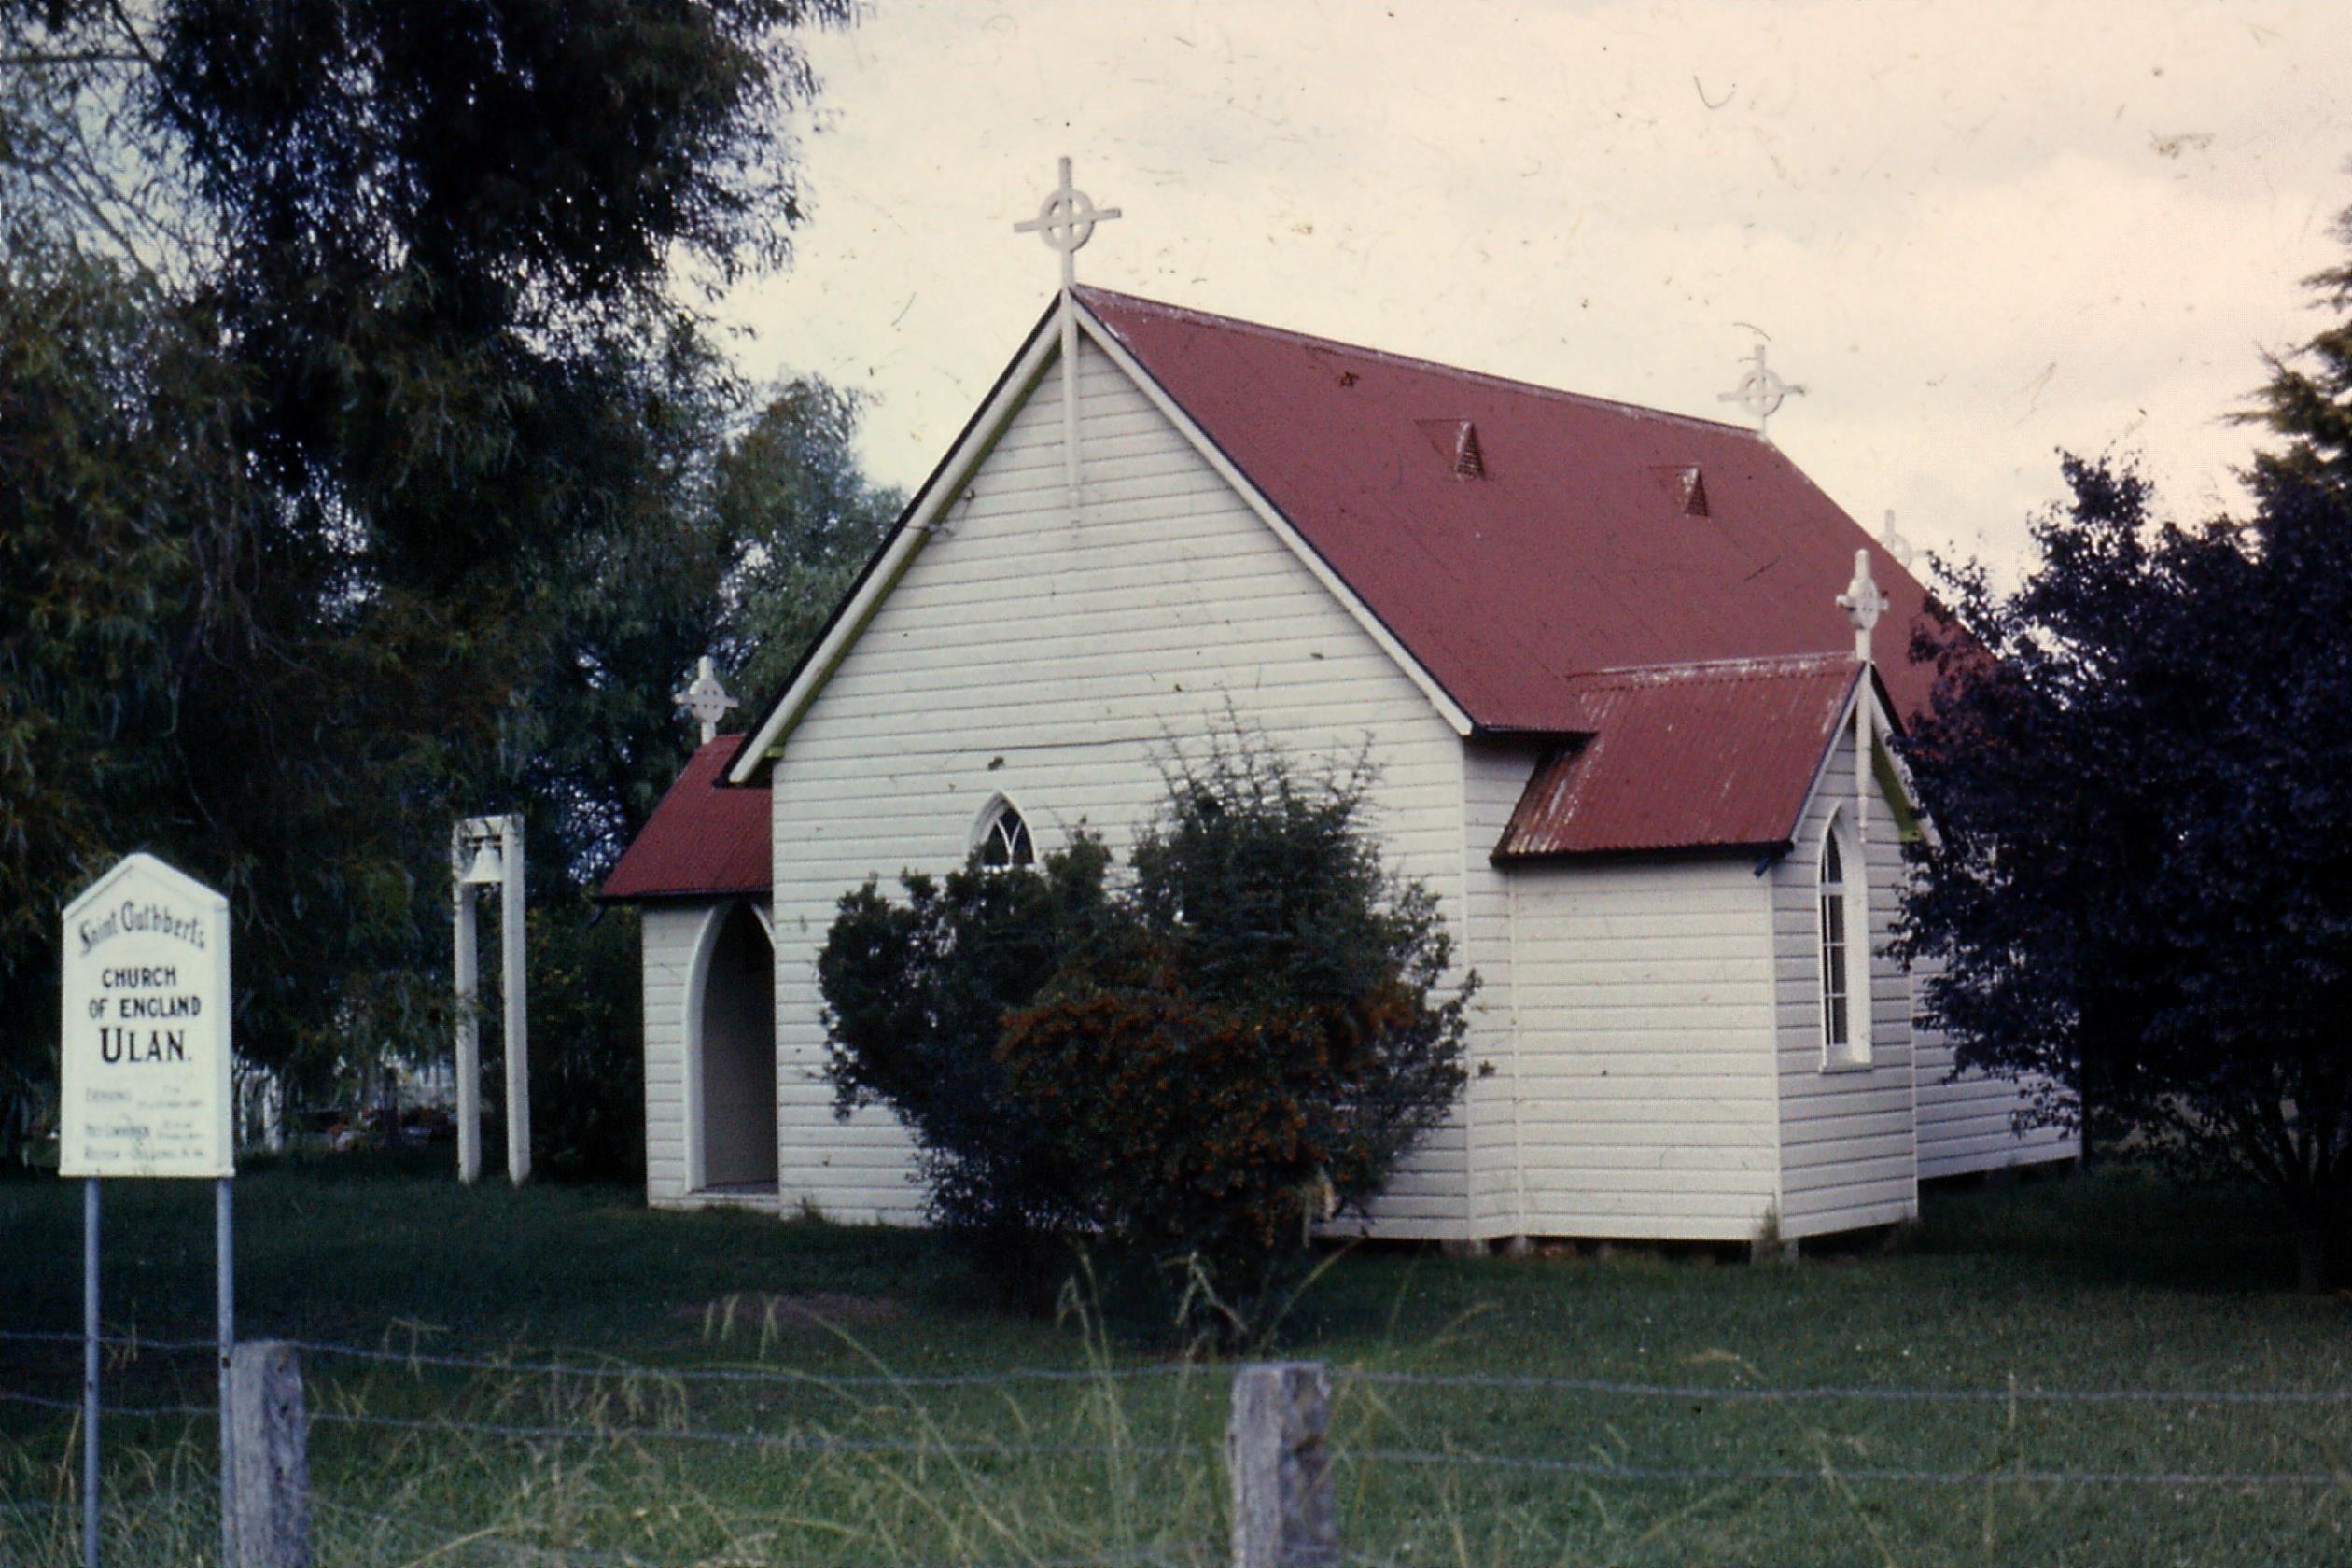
<point x="1586" y="536"/>
<point x="1657" y="587"/>
<point x="1683" y="757"/>
<point x="704" y="840"/>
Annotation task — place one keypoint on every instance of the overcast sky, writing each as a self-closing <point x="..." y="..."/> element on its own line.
<point x="1976" y="232"/>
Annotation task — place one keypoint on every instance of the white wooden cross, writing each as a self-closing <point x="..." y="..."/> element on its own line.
<point x="1897" y="545"/>
<point x="1066" y="221"/>
<point x="705" y="699"/>
<point x="1864" y="603"/>
<point x="1760" y="392"/>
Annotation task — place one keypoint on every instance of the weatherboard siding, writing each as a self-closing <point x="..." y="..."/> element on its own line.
<point x="1849" y="1144"/>
<point x="670" y="932"/>
<point x="1494" y="775"/>
<point x="1057" y="663"/>
<point x="1642" y="1078"/>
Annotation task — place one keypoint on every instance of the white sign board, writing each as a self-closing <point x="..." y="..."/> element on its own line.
<point x="146" y="1043"/>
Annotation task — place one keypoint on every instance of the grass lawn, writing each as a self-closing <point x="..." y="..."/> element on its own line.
<point x="2112" y="1283"/>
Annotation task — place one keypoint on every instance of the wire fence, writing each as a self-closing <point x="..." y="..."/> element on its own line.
<point x="537" y="1404"/>
<point x="1603" y="1471"/>
<point x="1855" y="1392"/>
<point x="2009" y="1392"/>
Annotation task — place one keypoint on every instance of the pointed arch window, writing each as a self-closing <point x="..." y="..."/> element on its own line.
<point x="1001" y="838"/>
<point x="1845" y="956"/>
<point x="1837" y="1018"/>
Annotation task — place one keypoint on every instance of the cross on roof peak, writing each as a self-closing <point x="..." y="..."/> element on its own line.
<point x="705" y="699"/>
<point x="1897" y="545"/>
<point x="1066" y="221"/>
<point x="1863" y="601"/>
<point x="1761" y="391"/>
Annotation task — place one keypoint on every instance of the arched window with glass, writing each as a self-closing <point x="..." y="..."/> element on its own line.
<point x="1001" y="836"/>
<point x="1845" y="953"/>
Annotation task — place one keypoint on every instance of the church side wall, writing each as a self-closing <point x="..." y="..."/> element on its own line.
<point x="669" y="933"/>
<point x="1054" y="663"/>
<point x="1644" y="1072"/>
<point x="1849" y="1148"/>
<point x="1966" y="1124"/>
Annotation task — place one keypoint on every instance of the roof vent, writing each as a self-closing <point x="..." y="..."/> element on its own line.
<point x="1469" y="462"/>
<point x="1457" y="440"/>
<point x="1685" y="486"/>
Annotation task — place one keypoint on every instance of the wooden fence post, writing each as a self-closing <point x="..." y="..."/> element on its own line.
<point x="272" y="1431"/>
<point x="1280" y="1466"/>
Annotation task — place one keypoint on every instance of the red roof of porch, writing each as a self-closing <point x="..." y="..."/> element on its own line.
<point x="702" y="841"/>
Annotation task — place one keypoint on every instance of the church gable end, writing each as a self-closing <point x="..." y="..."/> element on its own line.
<point x="1019" y="393"/>
<point x="1151" y="610"/>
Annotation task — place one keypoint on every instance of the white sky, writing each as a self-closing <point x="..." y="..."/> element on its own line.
<point x="1976" y="232"/>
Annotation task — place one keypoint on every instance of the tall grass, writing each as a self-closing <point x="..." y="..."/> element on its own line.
<point x="863" y="1462"/>
<point x="414" y="1465"/>
<point x="411" y="1464"/>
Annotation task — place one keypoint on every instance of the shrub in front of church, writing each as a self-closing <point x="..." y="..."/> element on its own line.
<point x="915" y="997"/>
<point x="1184" y="1069"/>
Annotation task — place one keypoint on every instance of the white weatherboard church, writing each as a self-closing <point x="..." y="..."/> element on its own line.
<point x="1626" y="725"/>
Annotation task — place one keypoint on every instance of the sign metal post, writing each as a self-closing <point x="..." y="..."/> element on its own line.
<point x="224" y="1311"/>
<point x="89" y="1372"/>
<point x="145" y="1091"/>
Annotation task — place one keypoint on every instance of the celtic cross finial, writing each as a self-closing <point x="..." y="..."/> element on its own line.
<point x="705" y="699"/>
<point x="1066" y="221"/>
<point x="1897" y="545"/>
<point x="1863" y="601"/>
<point x="1761" y="391"/>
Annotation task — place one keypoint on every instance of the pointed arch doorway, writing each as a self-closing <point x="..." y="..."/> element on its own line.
<point x="731" y="1058"/>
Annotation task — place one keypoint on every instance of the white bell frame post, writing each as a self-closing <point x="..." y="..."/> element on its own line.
<point x="487" y="852"/>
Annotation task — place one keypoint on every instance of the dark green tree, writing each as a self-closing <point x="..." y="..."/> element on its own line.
<point x="2142" y="891"/>
<point x="124" y="510"/>
<point x="790" y="486"/>
<point x="2308" y="398"/>
<point x="742" y="556"/>
<point x="745" y="553"/>
<point x="423" y="269"/>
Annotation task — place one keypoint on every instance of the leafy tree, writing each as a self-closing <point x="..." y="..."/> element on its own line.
<point x="741" y="554"/>
<point x="741" y="559"/>
<point x="407" y="440"/>
<point x="802" y="520"/>
<point x="123" y="511"/>
<point x="2144" y="887"/>
<point x="2308" y="400"/>
<point x="1188" y="1069"/>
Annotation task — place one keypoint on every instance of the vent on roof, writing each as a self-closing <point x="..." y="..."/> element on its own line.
<point x="1469" y="462"/>
<point x="1457" y="440"/>
<point x="1686" y="486"/>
